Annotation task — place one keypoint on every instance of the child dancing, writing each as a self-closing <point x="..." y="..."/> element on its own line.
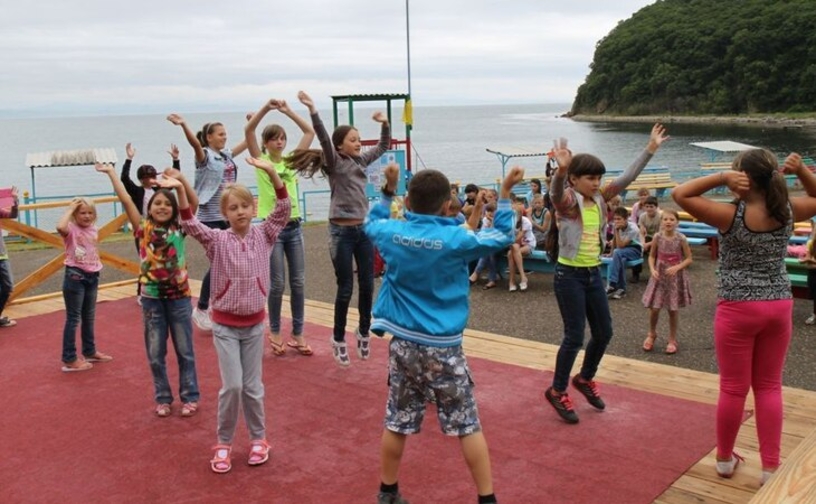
<point x="165" y="288"/>
<point x="427" y="320"/>
<point x="753" y="320"/>
<point x="289" y="247"/>
<point x="581" y="216"/>
<point x="239" y="260"/>
<point x="668" y="287"/>
<point x="80" y="285"/>
<point x="340" y="158"/>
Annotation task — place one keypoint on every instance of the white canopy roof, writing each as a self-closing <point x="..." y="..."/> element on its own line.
<point x="724" y="146"/>
<point x="70" y="158"/>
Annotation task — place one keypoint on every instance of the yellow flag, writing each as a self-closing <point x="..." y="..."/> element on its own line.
<point x="408" y="113"/>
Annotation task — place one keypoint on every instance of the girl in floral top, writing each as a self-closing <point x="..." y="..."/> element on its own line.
<point x="166" y="305"/>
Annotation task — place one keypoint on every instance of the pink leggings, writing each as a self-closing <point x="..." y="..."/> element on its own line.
<point x="751" y="338"/>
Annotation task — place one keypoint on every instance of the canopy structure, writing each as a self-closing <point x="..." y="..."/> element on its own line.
<point x="505" y="154"/>
<point x="57" y="159"/>
<point x="722" y="146"/>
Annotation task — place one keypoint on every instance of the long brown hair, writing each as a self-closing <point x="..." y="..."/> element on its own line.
<point x="762" y="168"/>
<point x="307" y="162"/>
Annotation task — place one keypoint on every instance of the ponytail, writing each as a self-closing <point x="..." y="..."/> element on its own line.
<point x="307" y="162"/>
<point x="206" y="130"/>
<point x="762" y="168"/>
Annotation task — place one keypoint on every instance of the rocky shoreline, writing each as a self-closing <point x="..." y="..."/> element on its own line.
<point x="760" y="121"/>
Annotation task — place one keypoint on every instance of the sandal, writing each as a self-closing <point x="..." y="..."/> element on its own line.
<point x="163" y="410"/>
<point x="648" y="343"/>
<point x="258" y="452"/>
<point x="671" y="348"/>
<point x="278" y="348"/>
<point x="189" y="409"/>
<point x="302" y="348"/>
<point x="221" y="462"/>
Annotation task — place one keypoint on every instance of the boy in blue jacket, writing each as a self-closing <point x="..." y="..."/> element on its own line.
<point x="423" y="303"/>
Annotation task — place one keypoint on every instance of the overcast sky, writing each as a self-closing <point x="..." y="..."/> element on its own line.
<point x="105" y="57"/>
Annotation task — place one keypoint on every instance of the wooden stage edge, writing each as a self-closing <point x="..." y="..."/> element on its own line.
<point x="794" y="482"/>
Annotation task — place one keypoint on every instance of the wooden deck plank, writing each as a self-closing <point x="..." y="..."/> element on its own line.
<point x="796" y="481"/>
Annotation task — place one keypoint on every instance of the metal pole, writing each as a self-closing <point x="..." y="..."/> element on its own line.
<point x="408" y="45"/>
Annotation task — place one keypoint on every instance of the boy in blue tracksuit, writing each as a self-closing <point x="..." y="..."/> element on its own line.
<point x="423" y="303"/>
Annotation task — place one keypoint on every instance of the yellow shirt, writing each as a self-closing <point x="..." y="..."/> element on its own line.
<point x="589" y="250"/>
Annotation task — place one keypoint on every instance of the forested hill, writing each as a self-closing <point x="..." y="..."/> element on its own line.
<point x="706" y="57"/>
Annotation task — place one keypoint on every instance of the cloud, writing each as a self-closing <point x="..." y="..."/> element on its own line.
<point x="93" y="56"/>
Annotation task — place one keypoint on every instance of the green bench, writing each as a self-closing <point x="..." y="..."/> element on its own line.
<point x="797" y="273"/>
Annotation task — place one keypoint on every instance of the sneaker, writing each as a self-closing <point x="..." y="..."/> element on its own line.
<point x="201" y="318"/>
<point x="77" y="365"/>
<point x="766" y="475"/>
<point x="340" y="352"/>
<point x="590" y="390"/>
<point x="363" y="345"/>
<point x="618" y="294"/>
<point x="390" y="498"/>
<point x="139" y="300"/>
<point x="7" y="322"/>
<point x="726" y="469"/>
<point x="523" y="286"/>
<point x="611" y="289"/>
<point x="513" y="287"/>
<point x="809" y="321"/>
<point x="562" y="405"/>
<point x="98" y="357"/>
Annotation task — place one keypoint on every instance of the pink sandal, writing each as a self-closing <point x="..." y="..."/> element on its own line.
<point x="258" y="452"/>
<point x="221" y="462"/>
<point x="163" y="410"/>
<point x="189" y="409"/>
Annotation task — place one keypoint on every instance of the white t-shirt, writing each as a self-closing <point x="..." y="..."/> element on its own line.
<point x="527" y="238"/>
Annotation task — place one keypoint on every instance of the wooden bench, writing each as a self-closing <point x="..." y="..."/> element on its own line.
<point x="657" y="179"/>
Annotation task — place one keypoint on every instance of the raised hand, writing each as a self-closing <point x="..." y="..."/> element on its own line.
<point x="172" y="173"/>
<point x="392" y="173"/>
<point x="737" y="182"/>
<point x="130" y="152"/>
<point x="563" y="157"/>
<point x="249" y="115"/>
<point x="174" y="151"/>
<point x="379" y="117"/>
<point x="14" y="192"/>
<point x="283" y="106"/>
<point x="104" y="168"/>
<point x="657" y="137"/>
<point x="306" y="100"/>
<point x="263" y="164"/>
<point x="513" y="177"/>
<point x="793" y="163"/>
<point x="169" y="182"/>
<point x="175" y="119"/>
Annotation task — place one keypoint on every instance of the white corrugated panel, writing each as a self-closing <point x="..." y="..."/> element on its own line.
<point x="724" y="146"/>
<point x="77" y="157"/>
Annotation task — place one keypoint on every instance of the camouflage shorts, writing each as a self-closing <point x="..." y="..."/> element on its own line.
<point x="418" y="374"/>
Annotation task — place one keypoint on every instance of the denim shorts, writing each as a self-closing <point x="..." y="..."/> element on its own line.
<point x="418" y="374"/>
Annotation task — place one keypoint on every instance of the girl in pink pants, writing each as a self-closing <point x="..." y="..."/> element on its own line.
<point x="753" y="322"/>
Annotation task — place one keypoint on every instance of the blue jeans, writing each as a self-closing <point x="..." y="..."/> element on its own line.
<point x="204" y="295"/>
<point x="79" y="292"/>
<point x="6" y="283"/>
<point x="617" y="270"/>
<point x="489" y="262"/>
<point x="347" y="244"/>
<point x="290" y="245"/>
<point x="161" y="316"/>
<point x="581" y="298"/>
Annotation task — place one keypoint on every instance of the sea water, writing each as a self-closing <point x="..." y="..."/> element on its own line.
<point x="451" y="139"/>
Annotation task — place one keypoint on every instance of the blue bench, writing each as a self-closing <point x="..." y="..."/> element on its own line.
<point x="538" y="260"/>
<point x="606" y="261"/>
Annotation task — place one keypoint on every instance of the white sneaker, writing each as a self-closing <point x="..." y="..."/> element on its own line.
<point x="513" y="287"/>
<point x="523" y="286"/>
<point x="726" y="469"/>
<point x="810" y="320"/>
<point x="139" y="300"/>
<point x="201" y="319"/>
<point x="363" y="344"/>
<point x="340" y="352"/>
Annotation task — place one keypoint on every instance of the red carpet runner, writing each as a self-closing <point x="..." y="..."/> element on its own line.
<point x="93" y="437"/>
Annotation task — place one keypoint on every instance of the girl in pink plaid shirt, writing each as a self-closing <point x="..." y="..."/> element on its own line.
<point x="239" y="272"/>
